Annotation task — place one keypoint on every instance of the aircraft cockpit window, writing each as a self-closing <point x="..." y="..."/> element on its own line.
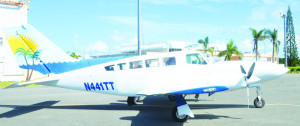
<point x="169" y="61"/>
<point x="122" y="66"/>
<point x="110" y="68"/>
<point x="195" y="59"/>
<point x="152" y="63"/>
<point x="136" y="64"/>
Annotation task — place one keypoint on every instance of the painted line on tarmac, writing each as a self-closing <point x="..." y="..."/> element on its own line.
<point x="293" y="105"/>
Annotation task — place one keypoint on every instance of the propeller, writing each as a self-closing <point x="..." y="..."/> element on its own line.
<point x="250" y="72"/>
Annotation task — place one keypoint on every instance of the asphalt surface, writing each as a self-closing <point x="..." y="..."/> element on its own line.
<point x="50" y="106"/>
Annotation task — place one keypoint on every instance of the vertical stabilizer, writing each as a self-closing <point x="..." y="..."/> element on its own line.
<point x="32" y="50"/>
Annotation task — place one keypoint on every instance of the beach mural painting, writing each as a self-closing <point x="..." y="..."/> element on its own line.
<point x="24" y="46"/>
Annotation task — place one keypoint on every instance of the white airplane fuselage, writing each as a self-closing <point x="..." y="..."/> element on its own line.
<point x="182" y="78"/>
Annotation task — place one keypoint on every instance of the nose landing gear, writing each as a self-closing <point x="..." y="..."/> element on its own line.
<point x="259" y="102"/>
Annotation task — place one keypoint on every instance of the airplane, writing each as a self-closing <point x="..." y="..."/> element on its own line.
<point x="172" y="74"/>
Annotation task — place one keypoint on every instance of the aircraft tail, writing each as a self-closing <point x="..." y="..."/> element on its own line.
<point x="33" y="51"/>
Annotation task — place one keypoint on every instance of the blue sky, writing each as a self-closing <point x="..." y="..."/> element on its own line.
<point x="104" y="26"/>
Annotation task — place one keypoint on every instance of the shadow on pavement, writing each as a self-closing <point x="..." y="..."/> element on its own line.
<point x="155" y="110"/>
<point x="211" y="117"/>
<point x="20" y="110"/>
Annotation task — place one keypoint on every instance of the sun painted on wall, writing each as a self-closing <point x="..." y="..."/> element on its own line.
<point x="25" y="46"/>
<point x="22" y="41"/>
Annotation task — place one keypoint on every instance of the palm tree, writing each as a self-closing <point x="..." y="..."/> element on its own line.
<point x="273" y="36"/>
<point x="74" y="55"/>
<point x="256" y="37"/>
<point x="34" y="56"/>
<point x="205" y="43"/>
<point x="231" y="49"/>
<point x="21" y="51"/>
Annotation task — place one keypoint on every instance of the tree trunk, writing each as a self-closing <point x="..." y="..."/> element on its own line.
<point x="273" y="52"/>
<point x="31" y="70"/>
<point x="291" y="60"/>
<point x="256" y="50"/>
<point x="27" y="68"/>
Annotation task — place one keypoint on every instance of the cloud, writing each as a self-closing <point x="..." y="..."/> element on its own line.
<point x="97" y="48"/>
<point x="268" y="10"/>
<point x="167" y="2"/>
<point x="258" y="14"/>
<point x="269" y="1"/>
<point x="116" y="37"/>
<point x="246" y="45"/>
<point x="127" y="20"/>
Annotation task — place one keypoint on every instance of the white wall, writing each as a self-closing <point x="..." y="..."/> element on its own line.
<point x="12" y="15"/>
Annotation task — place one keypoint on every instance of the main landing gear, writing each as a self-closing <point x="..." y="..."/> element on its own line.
<point x="131" y="101"/>
<point x="177" y="117"/>
<point x="134" y="101"/>
<point x="259" y="102"/>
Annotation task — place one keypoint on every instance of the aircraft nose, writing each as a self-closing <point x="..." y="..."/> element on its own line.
<point x="277" y="70"/>
<point x="283" y="70"/>
<point x="268" y="71"/>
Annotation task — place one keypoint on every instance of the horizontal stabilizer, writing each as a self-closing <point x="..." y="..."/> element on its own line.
<point x="51" y="82"/>
<point x="13" y="85"/>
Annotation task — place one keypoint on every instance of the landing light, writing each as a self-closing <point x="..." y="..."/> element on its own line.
<point x="209" y="90"/>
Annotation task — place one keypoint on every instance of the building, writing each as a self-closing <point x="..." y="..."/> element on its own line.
<point x="171" y="46"/>
<point x="168" y="46"/>
<point x="12" y="13"/>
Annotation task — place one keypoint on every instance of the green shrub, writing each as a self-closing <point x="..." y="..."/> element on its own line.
<point x="294" y="69"/>
<point x="281" y="60"/>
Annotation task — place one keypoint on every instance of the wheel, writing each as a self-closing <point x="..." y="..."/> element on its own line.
<point x="259" y="104"/>
<point x="177" y="117"/>
<point x="131" y="101"/>
<point x="172" y="97"/>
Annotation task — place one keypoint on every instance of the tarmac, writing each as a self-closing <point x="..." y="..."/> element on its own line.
<point x="51" y="106"/>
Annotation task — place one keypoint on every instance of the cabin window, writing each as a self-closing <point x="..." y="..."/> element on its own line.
<point x="168" y="61"/>
<point x="195" y="59"/>
<point x="136" y="64"/>
<point x="1" y="41"/>
<point x="152" y="63"/>
<point x="122" y="66"/>
<point x="110" y="68"/>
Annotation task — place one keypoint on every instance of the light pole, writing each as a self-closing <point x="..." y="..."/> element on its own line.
<point x="138" y="30"/>
<point x="285" y="48"/>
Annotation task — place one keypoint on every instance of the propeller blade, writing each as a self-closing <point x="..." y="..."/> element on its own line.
<point x="251" y="70"/>
<point x="242" y="69"/>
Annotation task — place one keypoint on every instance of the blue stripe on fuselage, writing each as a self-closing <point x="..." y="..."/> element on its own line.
<point x="63" y="67"/>
<point x="201" y="90"/>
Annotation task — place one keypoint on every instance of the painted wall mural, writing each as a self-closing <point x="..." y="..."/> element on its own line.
<point x="26" y="47"/>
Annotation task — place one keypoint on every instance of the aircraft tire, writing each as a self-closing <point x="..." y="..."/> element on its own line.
<point x="172" y="98"/>
<point x="178" y="118"/>
<point x="131" y="101"/>
<point x="258" y="104"/>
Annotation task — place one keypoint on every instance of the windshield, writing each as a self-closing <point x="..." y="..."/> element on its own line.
<point x="195" y="59"/>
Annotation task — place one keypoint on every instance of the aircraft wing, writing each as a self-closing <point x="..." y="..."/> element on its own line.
<point x="153" y="91"/>
<point x="198" y="90"/>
